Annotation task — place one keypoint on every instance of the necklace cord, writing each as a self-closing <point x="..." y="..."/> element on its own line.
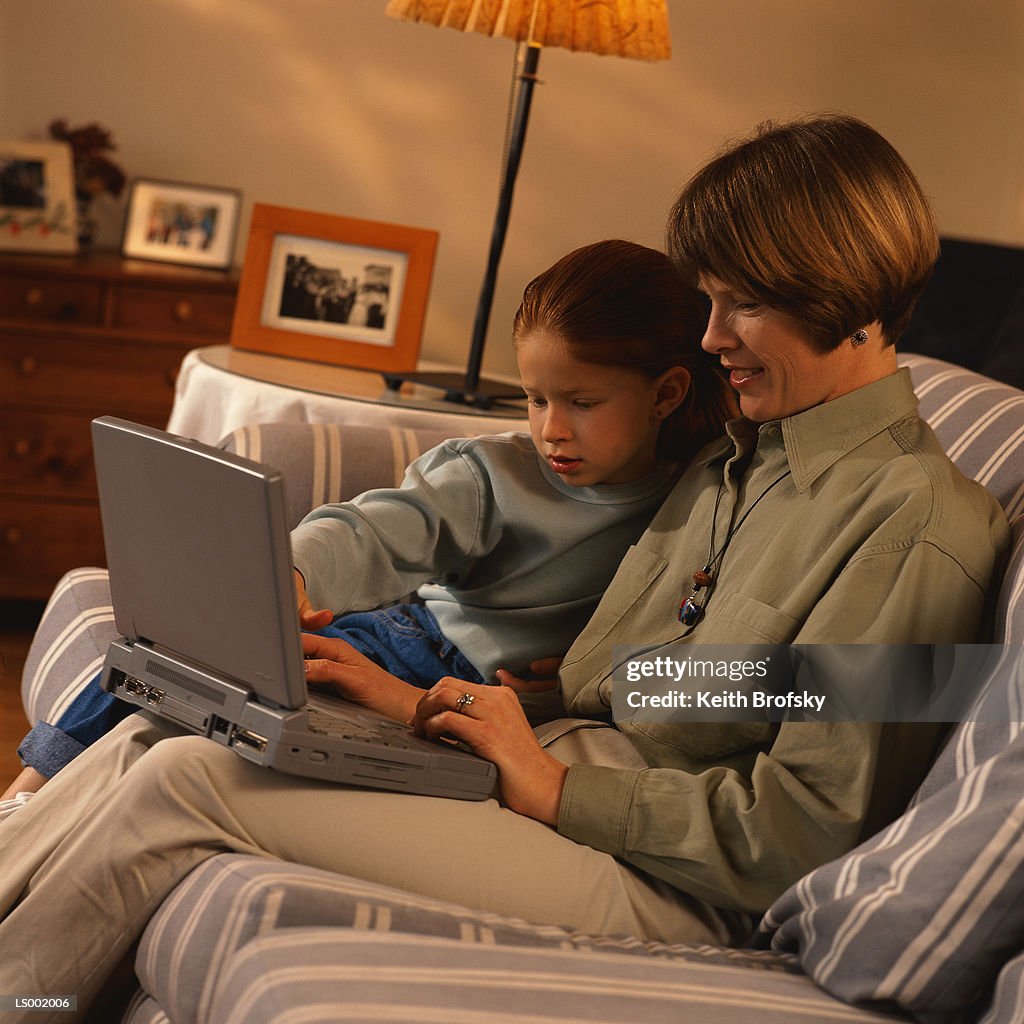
<point x="691" y="611"/>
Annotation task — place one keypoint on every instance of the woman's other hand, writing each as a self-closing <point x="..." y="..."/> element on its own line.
<point x="543" y="677"/>
<point x="310" y="617"/>
<point x="332" y="662"/>
<point x="491" y="722"/>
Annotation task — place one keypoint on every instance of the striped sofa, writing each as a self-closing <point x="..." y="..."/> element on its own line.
<point x="924" y="921"/>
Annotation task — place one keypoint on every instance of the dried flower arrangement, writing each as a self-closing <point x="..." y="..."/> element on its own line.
<point x="95" y="173"/>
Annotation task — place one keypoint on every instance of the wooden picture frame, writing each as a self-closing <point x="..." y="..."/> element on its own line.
<point x="334" y="289"/>
<point x="176" y="222"/>
<point x="37" y="198"/>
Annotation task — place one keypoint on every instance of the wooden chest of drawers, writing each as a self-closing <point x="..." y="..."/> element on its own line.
<point x="82" y="337"/>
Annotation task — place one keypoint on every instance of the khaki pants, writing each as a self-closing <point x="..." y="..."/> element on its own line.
<point x="88" y="861"/>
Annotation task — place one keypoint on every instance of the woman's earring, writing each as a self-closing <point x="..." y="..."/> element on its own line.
<point x="860" y="337"/>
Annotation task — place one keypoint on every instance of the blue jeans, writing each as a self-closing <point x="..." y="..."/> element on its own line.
<point x="404" y="639"/>
<point x="407" y="641"/>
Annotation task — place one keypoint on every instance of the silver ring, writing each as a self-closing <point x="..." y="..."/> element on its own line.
<point x="463" y="702"/>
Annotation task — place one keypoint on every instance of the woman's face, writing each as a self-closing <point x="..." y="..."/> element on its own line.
<point x="772" y="363"/>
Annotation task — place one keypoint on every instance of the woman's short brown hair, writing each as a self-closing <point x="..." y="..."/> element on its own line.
<point x="820" y="218"/>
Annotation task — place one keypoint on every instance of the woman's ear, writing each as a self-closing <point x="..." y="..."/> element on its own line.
<point x="669" y="391"/>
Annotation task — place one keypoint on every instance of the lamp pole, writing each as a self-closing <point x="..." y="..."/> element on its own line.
<point x="527" y="80"/>
<point x="471" y="389"/>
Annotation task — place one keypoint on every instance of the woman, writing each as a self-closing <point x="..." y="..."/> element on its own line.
<point x="829" y="514"/>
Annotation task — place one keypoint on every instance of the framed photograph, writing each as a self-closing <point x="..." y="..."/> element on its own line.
<point x="334" y="289"/>
<point x="37" y="198"/>
<point x="173" y="222"/>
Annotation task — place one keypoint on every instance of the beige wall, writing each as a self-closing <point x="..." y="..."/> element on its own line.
<point x="328" y="105"/>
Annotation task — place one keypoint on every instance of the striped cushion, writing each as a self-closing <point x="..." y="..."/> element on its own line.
<point x="323" y="976"/>
<point x="979" y="422"/>
<point x="143" y="1010"/>
<point x="232" y="900"/>
<point x="924" y="915"/>
<point x="1008" y="998"/>
<point x="69" y="644"/>
<point x="327" y="462"/>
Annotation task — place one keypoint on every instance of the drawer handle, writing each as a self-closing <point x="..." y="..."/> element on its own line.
<point x="34" y="297"/>
<point x="183" y="311"/>
<point x="12" y="536"/>
<point x="27" y="366"/>
<point x="21" y="448"/>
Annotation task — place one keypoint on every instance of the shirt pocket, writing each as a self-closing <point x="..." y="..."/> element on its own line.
<point x="742" y="619"/>
<point x="637" y="572"/>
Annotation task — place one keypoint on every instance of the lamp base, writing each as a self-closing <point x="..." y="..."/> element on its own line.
<point x="456" y="387"/>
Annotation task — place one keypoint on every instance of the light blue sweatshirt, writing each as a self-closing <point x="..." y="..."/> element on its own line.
<point x="509" y="558"/>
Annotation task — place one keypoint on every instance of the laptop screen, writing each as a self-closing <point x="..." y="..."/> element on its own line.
<point x="199" y="556"/>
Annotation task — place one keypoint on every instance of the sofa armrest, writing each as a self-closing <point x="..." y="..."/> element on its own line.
<point x="328" y="462"/>
<point x="321" y="976"/>
<point x="69" y="644"/>
<point x="233" y="901"/>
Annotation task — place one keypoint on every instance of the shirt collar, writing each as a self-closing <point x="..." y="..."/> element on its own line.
<point x="817" y="438"/>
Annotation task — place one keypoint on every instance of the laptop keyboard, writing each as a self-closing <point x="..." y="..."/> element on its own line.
<point x="342" y="725"/>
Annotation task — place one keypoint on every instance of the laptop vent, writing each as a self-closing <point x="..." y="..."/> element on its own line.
<point x="170" y="675"/>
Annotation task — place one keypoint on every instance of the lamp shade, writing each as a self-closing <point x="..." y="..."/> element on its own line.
<point x="624" y="28"/>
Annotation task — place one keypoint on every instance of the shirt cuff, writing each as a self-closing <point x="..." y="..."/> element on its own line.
<point x="48" y="749"/>
<point x="596" y="804"/>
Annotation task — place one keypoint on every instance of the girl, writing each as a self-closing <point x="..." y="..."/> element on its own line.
<point x="511" y="540"/>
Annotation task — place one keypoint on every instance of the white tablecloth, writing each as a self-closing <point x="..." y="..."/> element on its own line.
<point x="211" y="401"/>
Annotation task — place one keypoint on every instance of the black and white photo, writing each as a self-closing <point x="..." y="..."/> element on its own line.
<point x="333" y="289"/>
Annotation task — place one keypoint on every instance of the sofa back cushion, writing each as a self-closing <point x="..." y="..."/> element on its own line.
<point x="981" y="425"/>
<point x="329" y="462"/>
<point x="923" y="916"/>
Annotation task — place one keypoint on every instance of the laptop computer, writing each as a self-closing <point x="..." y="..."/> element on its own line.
<point x="202" y="587"/>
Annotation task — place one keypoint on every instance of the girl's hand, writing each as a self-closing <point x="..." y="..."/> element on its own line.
<point x="29" y="781"/>
<point x="494" y="726"/>
<point x="310" y="617"/>
<point x="544" y="676"/>
<point x="332" y="662"/>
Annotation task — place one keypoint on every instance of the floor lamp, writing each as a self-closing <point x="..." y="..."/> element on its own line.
<point x="626" y="28"/>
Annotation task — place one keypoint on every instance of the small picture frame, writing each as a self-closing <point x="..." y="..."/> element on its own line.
<point x="334" y="289"/>
<point x="175" y="222"/>
<point x="37" y="198"/>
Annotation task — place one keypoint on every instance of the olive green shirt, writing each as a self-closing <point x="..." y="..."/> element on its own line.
<point x="874" y="537"/>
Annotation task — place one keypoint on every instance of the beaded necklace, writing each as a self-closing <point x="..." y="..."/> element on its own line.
<point x="691" y="609"/>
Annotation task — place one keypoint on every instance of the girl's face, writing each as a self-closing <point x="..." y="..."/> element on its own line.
<point x="593" y="424"/>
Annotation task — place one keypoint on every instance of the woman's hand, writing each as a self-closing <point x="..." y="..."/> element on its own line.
<point x="492" y="724"/>
<point x="310" y="617"/>
<point x="332" y="662"/>
<point x="543" y="672"/>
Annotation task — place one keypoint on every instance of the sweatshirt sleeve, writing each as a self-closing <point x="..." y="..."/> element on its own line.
<point x="383" y="544"/>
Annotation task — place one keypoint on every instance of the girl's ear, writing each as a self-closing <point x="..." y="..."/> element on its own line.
<point x="669" y="391"/>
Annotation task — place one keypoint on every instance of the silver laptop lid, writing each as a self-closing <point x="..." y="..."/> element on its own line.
<point x="177" y="539"/>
